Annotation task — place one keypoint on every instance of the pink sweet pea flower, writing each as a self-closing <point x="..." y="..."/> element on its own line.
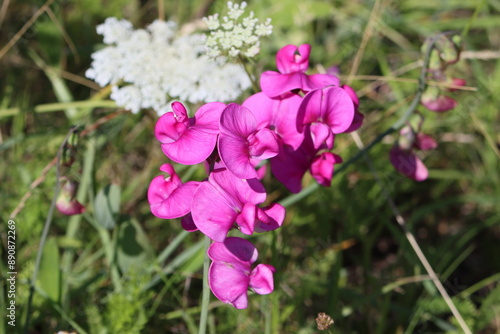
<point x="424" y="142"/>
<point x="189" y="140"/>
<point x="168" y="197"/>
<point x="292" y="63"/>
<point x="440" y="104"/>
<point x="231" y="275"/>
<point x="226" y="199"/>
<point x="322" y="167"/>
<point x="408" y="163"/>
<point x="66" y="202"/>
<point x="327" y="111"/>
<point x="241" y="141"/>
<point x="278" y="115"/>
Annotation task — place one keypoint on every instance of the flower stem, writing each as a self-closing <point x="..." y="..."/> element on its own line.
<point x="205" y="297"/>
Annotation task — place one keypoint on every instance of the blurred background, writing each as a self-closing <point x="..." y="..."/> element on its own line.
<point x="118" y="269"/>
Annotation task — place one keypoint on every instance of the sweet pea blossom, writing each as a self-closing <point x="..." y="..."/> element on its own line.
<point x="66" y="202"/>
<point x="240" y="141"/>
<point x="225" y="199"/>
<point x="292" y="63"/>
<point x="327" y="111"/>
<point x="186" y="140"/>
<point x="231" y="274"/>
<point x="168" y="197"/>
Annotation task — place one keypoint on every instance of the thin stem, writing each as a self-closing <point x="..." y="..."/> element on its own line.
<point x="413" y="242"/>
<point x="205" y="299"/>
<point x="46" y="227"/>
<point x="255" y="85"/>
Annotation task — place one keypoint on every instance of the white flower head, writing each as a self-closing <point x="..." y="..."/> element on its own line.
<point x="147" y="68"/>
<point x="234" y="34"/>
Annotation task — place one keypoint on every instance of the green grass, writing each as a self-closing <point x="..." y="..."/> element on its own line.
<point x="340" y="250"/>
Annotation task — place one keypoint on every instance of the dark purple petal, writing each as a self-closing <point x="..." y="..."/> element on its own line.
<point x="407" y="163"/>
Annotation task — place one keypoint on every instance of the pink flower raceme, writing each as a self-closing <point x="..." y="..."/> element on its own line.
<point x="241" y="141"/>
<point x="231" y="274"/>
<point x="277" y="114"/>
<point x="404" y="158"/>
<point x="189" y="140"/>
<point x="327" y="112"/>
<point x="292" y="63"/>
<point x="66" y="202"/>
<point x="168" y="197"/>
<point x="225" y="199"/>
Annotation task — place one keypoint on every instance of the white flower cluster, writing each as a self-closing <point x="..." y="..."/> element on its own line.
<point x="147" y="67"/>
<point x="234" y="35"/>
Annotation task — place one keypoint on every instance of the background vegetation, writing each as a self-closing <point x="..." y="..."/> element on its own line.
<point x="118" y="269"/>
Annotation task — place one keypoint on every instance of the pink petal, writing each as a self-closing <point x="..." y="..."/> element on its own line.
<point x="289" y="166"/>
<point x="320" y="134"/>
<point x="339" y="109"/>
<point x="237" y="121"/>
<point x="261" y="279"/>
<point x="407" y="163"/>
<point x="194" y="146"/>
<point x="274" y="84"/>
<point x="270" y="218"/>
<point x="169" y="198"/>
<point x="322" y="167"/>
<point x="234" y="152"/>
<point x="311" y="108"/>
<point x="168" y="128"/>
<point x="229" y="284"/>
<point x="356" y="122"/>
<point x="246" y="219"/>
<point x="234" y="250"/>
<point x="425" y="142"/>
<point x="318" y="81"/>
<point x="263" y="144"/>
<point x="441" y="104"/>
<point x="69" y="208"/>
<point x="287" y="61"/>
<point x="352" y="94"/>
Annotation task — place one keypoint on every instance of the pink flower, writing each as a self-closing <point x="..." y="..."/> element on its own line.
<point x="408" y="163"/>
<point x="225" y="199"/>
<point x="168" y="197"/>
<point x="66" y="202"/>
<point x="241" y="141"/>
<point x="440" y="104"/>
<point x="231" y="274"/>
<point x="327" y="111"/>
<point x="292" y="63"/>
<point x="189" y="140"/>
<point x="322" y="167"/>
<point x="278" y="115"/>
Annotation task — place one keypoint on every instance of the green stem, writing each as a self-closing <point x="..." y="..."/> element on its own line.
<point x="255" y="85"/>
<point x="205" y="299"/>
<point x="46" y="228"/>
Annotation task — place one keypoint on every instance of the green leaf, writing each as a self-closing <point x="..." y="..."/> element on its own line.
<point x="107" y="206"/>
<point x="133" y="248"/>
<point x="49" y="275"/>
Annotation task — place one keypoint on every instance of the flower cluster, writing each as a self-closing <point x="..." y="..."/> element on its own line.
<point x="445" y="53"/>
<point x="148" y="67"/>
<point x="233" y="34"/>
<point x="403" y="156"/>
<point x="292" y="123"/>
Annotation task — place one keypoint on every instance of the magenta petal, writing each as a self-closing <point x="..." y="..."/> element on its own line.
<point x="318" y="81"/>
<point x="274" y="84"/>
<point x="289" y="166"/>
<point x="167" y="201"/>
<point x="441" y="104"/>
<point x="270" y="217"/>
<point x="310" y="109"/>
<point x="194" y="146"/>
<point x="425" y="142"/>
<point x="168" y="128"/>
<point x="234" y="250"/>
<point x="237" y="121"/>
<point x="212" y="212"/>
<point x="261" y="279"/>
<point x="228" y="284"/>
<point x="322" y="167"/>
<point x="188" y="224"/>
<point x="339" y="109"/>
<point x="320" y="133"/>
<point x="407" y="163"/>
<point x="356" y="122"/>
<point x="263" y="144"/>
<point x="352" y="94"/>
<point x="234" y="152"/>
<point x="246" y="219"/>
<point x="290" y="59"/>
<point x="69" y="208"/>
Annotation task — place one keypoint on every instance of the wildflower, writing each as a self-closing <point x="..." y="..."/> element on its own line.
<point x="186" y="140"/>
<point x="231" y="274"/>
<point x="66" y="202"/>
<point x="327" y="111"/>
<point x="149" y="67"/>
<point x="226" y="199"/>
<point x="403" y="156"/>
<point x="292" y="63"/>
<point x="169" y="197"/>
<point x="234" y="35"/>
<point x="241" y="140"/>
